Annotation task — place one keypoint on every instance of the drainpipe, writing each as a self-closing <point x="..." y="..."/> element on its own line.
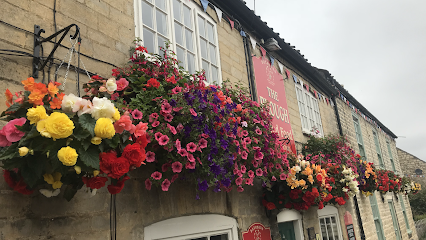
<point x="250" y="74"/>
<point x="339" y="124"/>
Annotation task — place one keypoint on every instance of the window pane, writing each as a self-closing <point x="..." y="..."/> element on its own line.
<point x="148" y="40"/>
<point x="161" y="4"/>
<point x="203" y="46"/>
<point x="206" y="68"/>
<point x="161" y="23"/>
<point x="181" y="55"/>
<point x="188" y="38"/>
<point x="161" y="43"/>
<point x="329" y="231"/>
<point x="187" y="16"/>
<point x="191" y="63"/>
<point x="176" y="10"/>
<point x="212" y="54"/>
<point x="219" y="237"/>
<point x="215" y="77"/>
<point x="147" y="14"/>
<point x="201" y="27"/>
<point x="210" y="33"/>
<point x="178" y="34"/>
<point x="334" y="226"/>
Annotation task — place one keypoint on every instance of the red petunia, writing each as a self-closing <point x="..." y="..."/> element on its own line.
<point x="153" y="83"/>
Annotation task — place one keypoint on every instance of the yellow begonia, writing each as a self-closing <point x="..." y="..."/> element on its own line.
<point x="96" y="173"/>
<point x="77" y="169"/>
<point x="48" y="178"/>
<point x="116" y="115"/>
<point x="53" y="179"/>
<point x="36" y="114"/>
<point x="96" y="140"/>
<point x="23" y="151"/>
<point x="104" y="128"/>
<point x="59" y="125"/>
<point x="68" y="156"/>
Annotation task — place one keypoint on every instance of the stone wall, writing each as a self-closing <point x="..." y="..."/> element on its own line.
<point x="411" y="163"/>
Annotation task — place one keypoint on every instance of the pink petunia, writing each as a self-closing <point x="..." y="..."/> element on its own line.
<point x="154" y="115"/>
<point x="155" y="124"/>
<point x="163" y="140"/>
<point x="190" y="165"/>
<point x="244" y="155"/>
<point x="258" y="131"/>
<point x="244" y="133"/>
<point x="243" y="169"/>
<point x="191" y="147"/>
<point x="283" y="176"/>
<point x="249" y="181"/>
<point x="273" y="179"/>
<point x="236" y="143"/>
<point x="177" y="109"/>
<point x="166" y="107"/>
<point x="191" y="158"/>
<point x="259" y="172"/>
<point x="168" y="117"/>
<point x="165" y="185"/>
<point x="157" y="136"/>
<point x="172" y="129"/>
<point x="247" y="140"/>
<point x="156" y="175"/>
<point x="148" y="184"/>
<point x="240" y="189"/>
<point x="250" y="174"/>
<point x="202" y="143"/>
<point x="150" y="156"/>
<point x="165" y="167"/>
<point x="136" y="114"/>
<point x="255" y="163"/>
<point x="177" y="167"/>
<point x="178" y="146"/>
<point x="175" y="177"/>
<point x="258" y="155"/>
<point x="183" y="152"/>
<point x="193" y="112"/>
<point x="179" y="127"/>
<point x="177" y="90"/>
<point x="122" y="84"/>
<point x="239" y="181"/>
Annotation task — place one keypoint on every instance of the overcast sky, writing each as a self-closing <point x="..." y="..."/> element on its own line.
<point x="376" y="49"/>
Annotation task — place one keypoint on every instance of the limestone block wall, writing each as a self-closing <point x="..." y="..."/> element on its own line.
<point x="411" y="163"/>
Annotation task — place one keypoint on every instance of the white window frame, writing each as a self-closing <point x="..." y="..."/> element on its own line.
<point x="309" y="111"/>
<point x="191" y="227"/>
<point x="328" y="212"/>
<point x="196" y="11"/>
<point x="391" y="159"/>
<point x="378" y="149"/>
<point x="358" y="136"/>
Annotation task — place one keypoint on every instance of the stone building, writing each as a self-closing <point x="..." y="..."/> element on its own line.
<point x="240" y="45"/>
<point x="414" y="168"/>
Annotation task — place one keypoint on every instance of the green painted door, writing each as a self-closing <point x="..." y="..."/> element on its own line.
<point x="394" y="220"/>
<point x="286" y="231"/>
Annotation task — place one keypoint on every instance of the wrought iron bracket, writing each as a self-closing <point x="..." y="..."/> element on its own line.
<point x="38" y="63"/>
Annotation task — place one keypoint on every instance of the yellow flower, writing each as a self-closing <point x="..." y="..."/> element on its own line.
<point x="96" y="140"/>
<point x="48" y="178"/>
<point x="96" y="173"/>
<point x="104" y="128"/>
<point x="41" y="128"/>
<point x="36" y="114"/>
<point x="77" y="169"/>
<point x="116" y="115"/>
<point x="23" y="151"/>
<point x="68" y="156"/>
<point x="57" y="180"/>
<point x="58" y="125"/>
<point x="57" y="184"/>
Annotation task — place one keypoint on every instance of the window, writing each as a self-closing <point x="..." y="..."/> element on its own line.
<point x="329" y="223"/>
<point x="309" y="110"/>
<point x="192" y="33"/>
<point x="358" y="134"/>
<point x="394" y="220"/>
<point x="378" y="150"/>
<point x="391" y="157"/>
<point x="404" y="212"/>
<point x="376" y="217"/>
<point x="196" y="227"/>
<point x="418" y="172"/>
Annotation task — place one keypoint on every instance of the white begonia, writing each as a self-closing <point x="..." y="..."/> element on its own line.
<point x="111" y="85"/>
<point x="86" y="106"/>
<point x="297" y="169"/>
<point x="68" y="102"/>
<point x="48" y="193"/>
<point x="345" y="190"/>
<point x="102" y="108"/>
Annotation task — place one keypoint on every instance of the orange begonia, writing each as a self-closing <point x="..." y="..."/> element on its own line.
<point x="36" y="97"/>
<point x="52" y="89"/>
<point x="55" y="103"/>
<point x="9" y="98"/>
<point x="28" y="84"/>
<point x="60" y="96"/>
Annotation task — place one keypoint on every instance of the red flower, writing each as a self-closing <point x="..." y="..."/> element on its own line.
<point x="171" y="80"/>
<point x="8" y="178"/>
<point x="288" y="205"/>
<point x="270" y="206"/>
<point x="340" y="201"/>
<point x="294" y="194"/>
<point x="148" y="184"/>
<point x="165" y="185"/>
<point x="21" y="187"/>
<point x="153" y="83"/>
<point x="106" y="159"/>
<point x="95" y="182"/>
<point x="119" y="167"/>
<point x="134" y="154"/>
<point x="319" y="177"/>
<point x="114" y="189"/>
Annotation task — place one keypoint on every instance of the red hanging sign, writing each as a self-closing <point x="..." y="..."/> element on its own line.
<point x="257" y="231"/>
<point x="270" y="88"/>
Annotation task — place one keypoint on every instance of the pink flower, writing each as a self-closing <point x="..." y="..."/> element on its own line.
<point x="258" y="131"/>
<point x="165" y="167"/>
<point x="255" y="163"/>
<point x="124" y="123"/>
<point x="256" y="148"/>
<point x="150" y="156"/>
<point x="191" y="147"/>
<point x="3" y="140"/>
<point x="155" y="124"/>
<point x="179" y="127"/>
<point x="191" y="158"/>
<point x="175" y="177"/>
<point x="166" y="107"/>
<point x="249" y="181"/>
<point x="259" y="172"/>
<point x="190" y="165"/>
<point x="153" y="116"/>
<point x="156" y="175"/>
<point x="157" y="136"/>
<point x="283" y="176"/>
<point x="183" y="152"/>
<point x="168" y="117"/>
<point x="165" y="185"/>
<point x="140" y="129"/>
<point x="177" y="90"/>
<point x="239" y="181"/>
<point x="193" y="112"/>
<point x="247" y="140"/>
<point x="240" y="189"/>
<point x="122" y="84"/>
<point x="177" y="109"/>
<point x="243" y="169"/>
<point x="236" y="143"/>
<point x="202" y="143"/>
<point x="172" y="129"/>
<point x="274" y="178"/>
<point x="148" y="184"/>
<point x="11" y="132"/>
<point x="244" y="155"/>
<point x="245" y="133"/>
<point x="136" y="114"/>
<point x="163" y="140"/>
<point x="178" y="146"/>
<point x="250" y="174"/>
<point x="177" y="167"/>
<point x="258" y="155"/>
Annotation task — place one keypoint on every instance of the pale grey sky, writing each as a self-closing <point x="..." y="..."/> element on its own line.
<point x="376" y="49"/>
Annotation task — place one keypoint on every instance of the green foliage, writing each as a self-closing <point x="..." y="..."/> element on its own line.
<point x="418" y="203"/>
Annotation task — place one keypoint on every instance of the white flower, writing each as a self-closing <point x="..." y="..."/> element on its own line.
<point x="68" y="102"/>
<point x="102" y="108"/>
<point x="111" y="85"/>
<point x="345" y="190"/>
<point x="86" y="106"/>
<point x="297" y="169"/>
<point x="244" y="124"/>
<point x="48" y="193"/>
